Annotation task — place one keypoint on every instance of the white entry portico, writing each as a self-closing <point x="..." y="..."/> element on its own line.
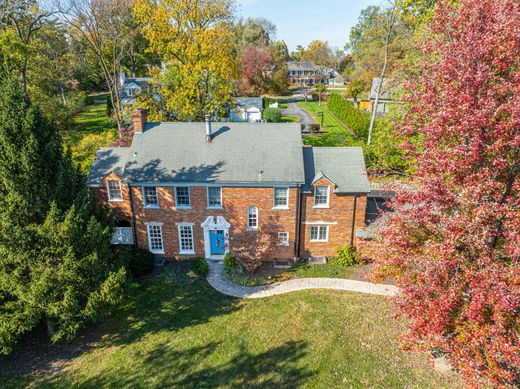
<point x="216" y="237"/>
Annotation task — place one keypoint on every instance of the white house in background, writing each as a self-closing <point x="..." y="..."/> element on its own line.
<point x="247" y="109"/>
<point x="130" y="87"/>
<point x="386" y="96"/>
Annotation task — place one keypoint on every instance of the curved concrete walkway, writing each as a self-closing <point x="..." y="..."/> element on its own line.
<point x="219" y="282"/>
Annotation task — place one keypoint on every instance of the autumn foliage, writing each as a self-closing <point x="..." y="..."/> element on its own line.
<point x="453" y="243"/>
<point x="252" y="247"/>
<point x="256" y="70"/>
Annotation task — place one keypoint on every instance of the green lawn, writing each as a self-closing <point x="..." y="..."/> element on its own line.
<point x="190" y="336"/>
<point x="336" y="134"/>
<point x="92" y="120"/>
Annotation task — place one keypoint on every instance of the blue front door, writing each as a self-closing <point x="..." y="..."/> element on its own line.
<point x="217" y="241"/>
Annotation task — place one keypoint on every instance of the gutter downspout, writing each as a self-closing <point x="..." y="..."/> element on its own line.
<point x="353" y="221"/>
<point x="133" y="215"/>
<point x="298" y="222"/>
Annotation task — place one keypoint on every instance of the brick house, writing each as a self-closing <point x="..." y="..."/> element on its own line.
<point x="182" y="189"/>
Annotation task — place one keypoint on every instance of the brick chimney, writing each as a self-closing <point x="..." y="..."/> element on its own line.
<point x="139" y="119"/>
<point x="209" y="135"/>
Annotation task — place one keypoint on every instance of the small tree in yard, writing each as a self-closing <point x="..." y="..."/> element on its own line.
<point x="453" y="243"/>
<point x="355" y="88"/>
<point x="252" y="247"/>
<point x="320" y="89"/>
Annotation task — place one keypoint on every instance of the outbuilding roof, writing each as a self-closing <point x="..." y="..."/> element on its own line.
<point x="250" y="102"/>
<point x="344" y="166"/>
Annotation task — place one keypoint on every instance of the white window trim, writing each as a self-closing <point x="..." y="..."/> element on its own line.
<point x="207" y="198"/>
<point x="177" y="206"/>
<point x="120" y="189"/>
<point x="284" y="242"/>
<point x="152" y="206"/>
<point x="257" y="218"/>
<point x="326" y="233"/>
<point x="186" y="252"/>
<point x="327" y="205"/>
<point x="148" y="237"/>
<point x="274" y="198"/>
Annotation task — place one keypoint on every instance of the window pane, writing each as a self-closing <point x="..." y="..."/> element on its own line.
<point x="314" y="232"/>
<point x="280" y="197"/>
<point x="323" y="232"/>
<point x="183" y="196"/>
<point x="150" y="196"/>
<point x="186" y="238"/>
<point x="321" y="195"/>
<point x="214" y="197"/>
<point x="252" y="217"/>
<point x="114" y="190"/>
<point x="155" y="238"/>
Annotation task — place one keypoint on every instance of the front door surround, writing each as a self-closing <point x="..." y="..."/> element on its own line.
<point x="216" y="237"/>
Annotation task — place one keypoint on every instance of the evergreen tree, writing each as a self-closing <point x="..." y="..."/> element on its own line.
<point x="56" y="263"/>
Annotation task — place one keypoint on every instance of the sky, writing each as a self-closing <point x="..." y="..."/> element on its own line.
<point x="301" y="21"/>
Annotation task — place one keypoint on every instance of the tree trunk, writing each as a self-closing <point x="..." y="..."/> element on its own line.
<point x="51" y="330"/>
<point x="383" y="73"/>
<point x="63" y="95"/>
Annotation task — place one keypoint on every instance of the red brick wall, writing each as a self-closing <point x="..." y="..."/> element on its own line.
<point x="121" y="209"/>
<point x="339" y="213"/>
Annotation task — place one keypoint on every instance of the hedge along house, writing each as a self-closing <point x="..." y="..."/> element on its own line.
<point x="182" y="189"/>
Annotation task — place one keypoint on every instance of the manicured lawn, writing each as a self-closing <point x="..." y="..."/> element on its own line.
<point x="92" y="120"/>
<point x="290" y="119"/>
<point x="336" y="134"/>
<point x="190" y="336"/>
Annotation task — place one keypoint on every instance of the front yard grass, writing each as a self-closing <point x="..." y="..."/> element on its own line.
<point x="335" y="132"/>
<point x="190" y="336"/>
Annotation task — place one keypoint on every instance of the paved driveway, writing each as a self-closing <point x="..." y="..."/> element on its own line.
<point x="295" y="110"/>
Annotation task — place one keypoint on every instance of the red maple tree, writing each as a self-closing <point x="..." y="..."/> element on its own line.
<point x="453" y="243"/>
<point x="256" y="71"/>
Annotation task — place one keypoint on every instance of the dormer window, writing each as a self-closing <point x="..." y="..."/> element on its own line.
<point x="321" y="197"/>
<point x="114" y="190"/>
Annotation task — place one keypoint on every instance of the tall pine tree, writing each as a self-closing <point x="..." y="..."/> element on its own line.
<point x="56" y="263"/>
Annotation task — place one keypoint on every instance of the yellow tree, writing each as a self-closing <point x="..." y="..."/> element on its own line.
<point x="195" y="40"/>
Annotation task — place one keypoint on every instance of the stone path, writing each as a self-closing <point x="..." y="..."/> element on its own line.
<point x="219" y="282"/>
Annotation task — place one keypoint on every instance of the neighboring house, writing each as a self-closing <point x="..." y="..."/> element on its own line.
<point x="307" y="74"/>
<point x="247" y="109"/>
<point x="385" y="98"/>
<point x="335" y="78"/>
<point x="129" y="87"/>
<point x="184" y="189"/>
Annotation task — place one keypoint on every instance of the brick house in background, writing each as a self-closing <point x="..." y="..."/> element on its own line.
<point x="182" y="189"/>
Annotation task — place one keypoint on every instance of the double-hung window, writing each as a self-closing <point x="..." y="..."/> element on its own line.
<point x="186" y="239"/>
<point x="114" y="190"/>
<point x="321" y="197"/>
<point x="182" y="197"/>
<point x="283" y="237"/>
<point x="252" y="218"/>
<point x="319" y="233"/>
<point x="150" y="196"/>
<point x="214" y="197"/>
<point x="155" y="238"/>
<point x="281" y="198"/>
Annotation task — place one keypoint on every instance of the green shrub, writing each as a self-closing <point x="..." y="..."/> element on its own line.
<point x="232" y="266"/>
<point x="141" y="262"/>
<point x="347" y="256"/>
<point x="358" y="121"/>
<point x="177" y="272"/>
<point x="273" y="115"/>
<point x="199" y="267"/>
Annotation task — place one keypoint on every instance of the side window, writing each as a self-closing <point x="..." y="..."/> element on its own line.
<point x="114" y="190"/>
<point x="319" y="233"/>
<point x="321" y="196"/>
<point x="150" y="196"/>
<point x="281" y="197"/>
<point x="252" y="218"/>
<point x="182" y="197"/>
<point x="283" y="238"/>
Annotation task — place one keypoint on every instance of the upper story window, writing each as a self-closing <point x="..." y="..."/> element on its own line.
<point x="182" y="197"/>
<point x="252" y="218"/>
<point x="321" y="196"/>
<point x="319" y="233"/>
<point x="214" y="197"/>
<point x="150" y="196"/>
<point x="114" y="190"/>
<point x="155" y="238"/>
<point x="281" y="197"/>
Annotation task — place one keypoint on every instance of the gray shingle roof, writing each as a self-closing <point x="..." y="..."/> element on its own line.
<point x="250" y="102"/>
<point x="239" y="153"/>
<point x="106" y="161"/>
<point x="301" y="65"/>
<point x="344" y="166"/>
